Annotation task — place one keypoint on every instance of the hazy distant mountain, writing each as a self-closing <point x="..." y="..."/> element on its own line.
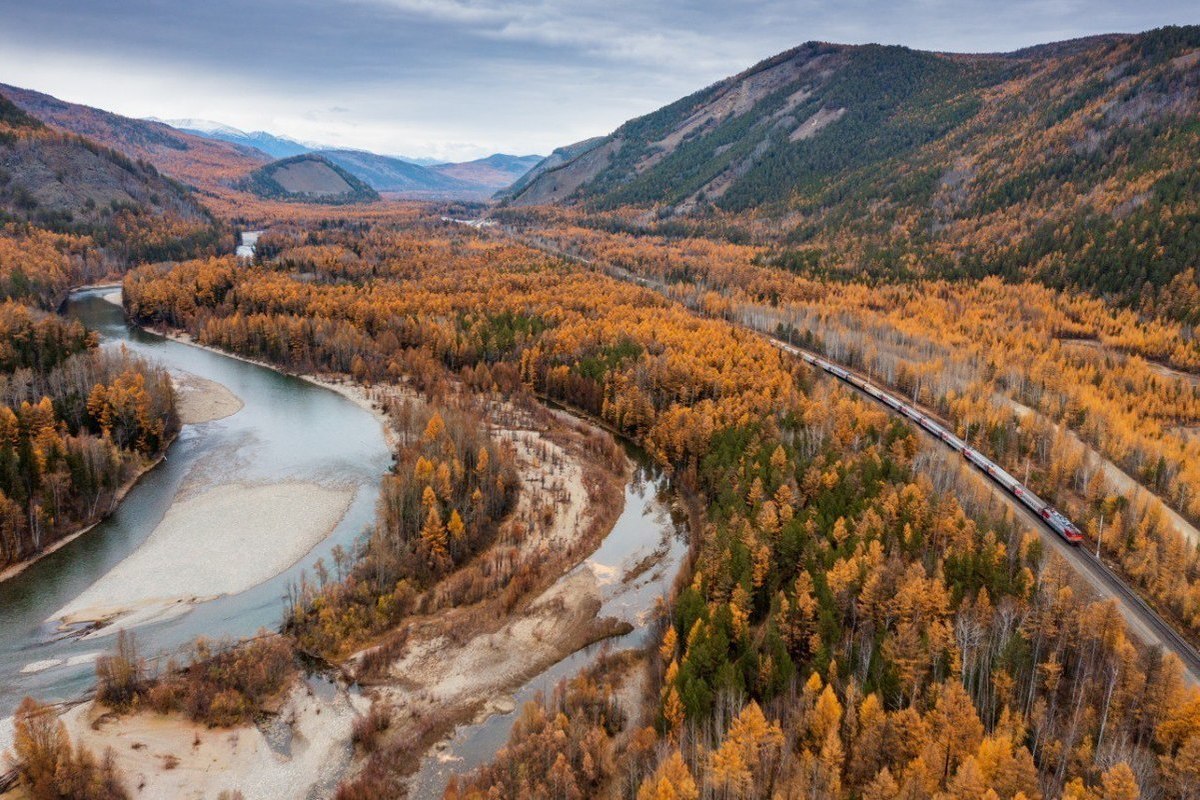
<point x="421" y="161"/>
<point x="307" y="178"/>
<point x="387" y="174"/>
<point x="269" y="143"/>
<point x="470" y="179"/>
<point x="495" y="172"/>
<point x="197" y="160"/>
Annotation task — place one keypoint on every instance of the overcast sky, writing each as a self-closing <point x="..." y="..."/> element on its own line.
<point x="458" y="79"/>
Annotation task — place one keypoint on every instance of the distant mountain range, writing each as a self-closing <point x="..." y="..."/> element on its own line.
<point x="411" y="176"/>
<point x="212" y="157"/>
<point x="269" y="143"/>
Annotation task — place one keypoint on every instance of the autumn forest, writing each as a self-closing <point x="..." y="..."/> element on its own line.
<point x="856" y="611"/>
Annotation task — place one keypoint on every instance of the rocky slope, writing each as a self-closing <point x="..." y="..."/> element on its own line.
<point x="1073" y="163"/>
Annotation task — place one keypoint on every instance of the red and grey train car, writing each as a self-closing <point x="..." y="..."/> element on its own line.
<point x="1050" y="515"/>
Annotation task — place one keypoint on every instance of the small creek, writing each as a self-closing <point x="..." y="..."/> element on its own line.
<point x="647" y="531"/>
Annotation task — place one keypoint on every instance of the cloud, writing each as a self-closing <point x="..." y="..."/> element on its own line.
<point x="460" y="78"/>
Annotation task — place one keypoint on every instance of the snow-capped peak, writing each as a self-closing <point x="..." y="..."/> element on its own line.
<point x="204" y="126"/>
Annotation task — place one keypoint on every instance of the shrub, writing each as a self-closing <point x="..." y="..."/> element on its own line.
<point x="48" y="767"/>
<point x="223" y="685"/>
<point x="119" y="676"/>
<point x="367" y="728"/>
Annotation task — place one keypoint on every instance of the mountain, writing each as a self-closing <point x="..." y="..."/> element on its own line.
<point x="548" y="191"/>
<point x="269" y="143"/>
<point x="412" y="177"/>
<point x="195" y="160"/>
<point x="497" y="171"/>
<point x="307" y="178"/>
<point x="1073" y="163"/>
<point x="387" y="174"/>
<point x="66" y="183"/>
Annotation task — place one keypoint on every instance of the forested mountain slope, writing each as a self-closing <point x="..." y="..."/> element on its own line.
<point x="70" y="185"/>
<point x="1074" y="163"/>
<point x="195" y="160"/>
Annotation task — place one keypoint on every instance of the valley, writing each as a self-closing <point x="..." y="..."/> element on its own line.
<point x="827" y="432"/>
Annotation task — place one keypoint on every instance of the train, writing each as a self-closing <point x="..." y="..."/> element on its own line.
<point x="1055" y="519"/>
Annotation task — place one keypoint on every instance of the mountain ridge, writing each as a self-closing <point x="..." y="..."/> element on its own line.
<point x="1066" y="162"/>
<point x="65" y="183"/>
<point x="271" y="144"/>
<point x="195" y="160"/>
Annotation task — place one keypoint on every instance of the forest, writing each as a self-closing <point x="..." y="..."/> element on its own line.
<point x="77" y="422"/>
<point x="1051" y="384"/>
<point x="846" y="629"/>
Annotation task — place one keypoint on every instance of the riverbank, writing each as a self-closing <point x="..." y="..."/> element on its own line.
<point x="301" y="746"/>
<point x="13" y="570"/>
<point x="289" y="446"/>
<point x="367" y="399"/>
<point x="197" y="552"/>
<point x="199" y="400"/>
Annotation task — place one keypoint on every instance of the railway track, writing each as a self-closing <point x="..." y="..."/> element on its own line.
<point x="1187" y="653"/>
<point x="1145" y="622"/>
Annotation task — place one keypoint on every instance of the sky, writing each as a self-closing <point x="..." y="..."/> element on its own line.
<point x="458" y="79"/>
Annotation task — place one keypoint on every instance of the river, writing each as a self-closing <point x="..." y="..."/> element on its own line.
<point x="248" y="242"/>
<point x="288" y="431"/>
